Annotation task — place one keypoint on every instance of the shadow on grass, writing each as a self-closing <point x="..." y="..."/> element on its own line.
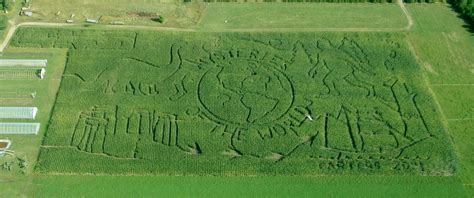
<point x="469" y="23"/>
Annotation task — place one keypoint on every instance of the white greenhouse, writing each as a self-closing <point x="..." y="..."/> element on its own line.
<point x="19" y="74"/>
<point x="18" y="112"/>
<point x="24" y="62"/>
<point x="19" y="128"/>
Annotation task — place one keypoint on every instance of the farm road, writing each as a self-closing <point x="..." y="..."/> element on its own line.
<point x="10" y="33"/>
<point x="407" y="14"/>
<point x="13" y="28"/>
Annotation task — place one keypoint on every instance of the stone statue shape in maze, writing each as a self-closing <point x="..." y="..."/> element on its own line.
<point x="118" y="132"/>
<point x="361" y="110"/>
<point x="345" y="66"/>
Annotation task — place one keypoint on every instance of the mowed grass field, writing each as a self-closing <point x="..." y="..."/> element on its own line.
<point x="239" y="16"/>
<point x="442" y="42"/>
<point x="459" y="129"/>
<point x="304" y="17"/>
<point x="333" y="186"/>
<point x="3" y="25"/>
<point x="137" y="12"/>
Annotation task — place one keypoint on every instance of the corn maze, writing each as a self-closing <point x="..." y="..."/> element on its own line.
<point x="240" y="104"/>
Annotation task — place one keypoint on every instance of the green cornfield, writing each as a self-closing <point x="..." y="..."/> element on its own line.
<point x="186" y="103"/>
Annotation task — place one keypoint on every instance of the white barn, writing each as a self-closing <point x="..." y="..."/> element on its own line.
<point x="23" y="62"/>
<point x="18" y="112"/>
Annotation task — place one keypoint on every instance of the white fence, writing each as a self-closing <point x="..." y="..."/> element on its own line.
<point x="19" y="128"/>
<point x="18" y="112"/>
<point x="23" y="62"/>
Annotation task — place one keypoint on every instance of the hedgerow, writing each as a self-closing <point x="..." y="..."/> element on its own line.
<point x="311" y="1"/>
<point x="3" y="23"/>
<point x="466" y="8"/>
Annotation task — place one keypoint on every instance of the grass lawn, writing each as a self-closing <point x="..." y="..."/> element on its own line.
<point x="3" y="26"/>
<point x="310" y="16"/>
<point x="240" y="16"/>
<point x="461" y="131"/>
<point x="137" y="12"/>
<point x="457" y="101"/>
<point x="331" y="186"/>
<point x="443" y="44"/>
<point x="444" y="47"/>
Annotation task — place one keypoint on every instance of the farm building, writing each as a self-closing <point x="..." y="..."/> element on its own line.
<point x="24" y="62"/>
<point x="19" y="128"/>
<point x="92" y="21"/>
<point x="18" y="112"/>
<point x="42" y="72"/>
<point x="28" y="13"/>
<point x="4" y="146"/>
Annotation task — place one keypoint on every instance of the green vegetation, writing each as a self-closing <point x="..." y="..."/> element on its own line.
<point x="213" y="17"/>
<point x="280" y="16"/>
<point x="444" y="48"/>
<point x="453" y="44"/>
<point x="5" y="4"/>
<point x="3" y="22"/>
<point x="244" y="104"/>
<point x="310" y="1"/>
<point x="441" y="45"/>
<point x="424" y="1"/>
<point x="158" y="19"/>
<point x="449" y="97"/>
<point x="334" y="186"/>
<point x="466" y="8"/>
<point x="3" y="25"/>
<point x="137" y="12"/>
<point x="292" y="1"/>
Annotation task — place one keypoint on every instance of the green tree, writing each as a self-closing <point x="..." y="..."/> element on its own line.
<point x="6" y="4"/>
<point x="3" y="22"/>
<point x="466" y="8"/>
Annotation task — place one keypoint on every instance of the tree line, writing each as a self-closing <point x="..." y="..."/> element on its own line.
<point x="3" y="23"/>
<point x="5" y="4"/>
<point x="466" y="8"/>
<point x="318" y="1"/>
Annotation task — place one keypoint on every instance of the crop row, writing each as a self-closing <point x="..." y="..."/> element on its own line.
<point x="311" y="1"/>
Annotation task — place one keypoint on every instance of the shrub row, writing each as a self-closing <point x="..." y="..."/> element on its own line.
<point x="319" y="1"/>
<point x="3" y="22"/>
<point x="466" y="8"/>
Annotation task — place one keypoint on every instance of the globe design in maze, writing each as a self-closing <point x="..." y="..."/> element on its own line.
<point x="245" y="92"/>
